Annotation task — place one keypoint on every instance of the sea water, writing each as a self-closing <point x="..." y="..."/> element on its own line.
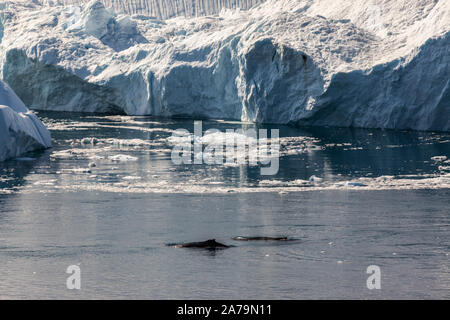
<point x="108" y="198"/>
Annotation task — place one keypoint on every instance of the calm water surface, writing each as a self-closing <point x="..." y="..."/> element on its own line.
<point x="350" y="198"/>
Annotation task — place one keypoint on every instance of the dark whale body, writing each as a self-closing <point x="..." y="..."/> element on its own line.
<point x="211" y="244"/>
<point x="261" y="238"/>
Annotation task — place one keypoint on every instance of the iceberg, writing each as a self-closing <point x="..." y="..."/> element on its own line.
<point x="377" y="64"/>
<point x="20" y="130"/>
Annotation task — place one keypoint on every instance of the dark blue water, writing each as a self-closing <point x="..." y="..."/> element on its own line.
<point x="378" y="198"/>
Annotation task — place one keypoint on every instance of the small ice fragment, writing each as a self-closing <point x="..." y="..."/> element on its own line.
<point x="131" y="178"/>
<point x="315" y="179"/>
<point x="439" y="158"/>
<point x="92" y="141"/>
<point x="122" y="157"/>
<point x="76" y="170"/>
<point x="355" y="184"/>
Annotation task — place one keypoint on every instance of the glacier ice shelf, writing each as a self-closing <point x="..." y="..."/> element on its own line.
<point x="383" y="64"/>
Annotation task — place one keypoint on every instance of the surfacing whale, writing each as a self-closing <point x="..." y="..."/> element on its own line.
<point x="208" y="244"/>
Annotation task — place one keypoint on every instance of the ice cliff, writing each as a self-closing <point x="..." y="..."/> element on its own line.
<point x="164" y="9"/>
<point x="377" y="64"/>
<point x="20" y="130"/>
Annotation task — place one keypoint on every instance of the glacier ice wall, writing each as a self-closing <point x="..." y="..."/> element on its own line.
<point x="20" y="129"/>
<point x="163" y="9"/>
<point x="383" y="64"/>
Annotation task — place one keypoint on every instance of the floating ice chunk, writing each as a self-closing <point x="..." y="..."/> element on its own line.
<point x="122" y="158"/>
<point x="181" y="137"/>
<point x="355" y="184"/>
<point x="315" y="179"/>
<point x="20" y="130"/>
<point x="439" y="158"/>
<point x="131" y="178"/>
<point x="272" y="182"/>
<point x="49" y="182"/>
<point x="64" y="154"/>
<point x="128" y="142"/>
<point x="92" y="141"/>
<point x="76" y="170"/>
<point x="301" y="182"/>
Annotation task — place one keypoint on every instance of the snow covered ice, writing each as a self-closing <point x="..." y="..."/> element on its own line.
<point x="376" y="64"/>
<point x="20" y="130"/>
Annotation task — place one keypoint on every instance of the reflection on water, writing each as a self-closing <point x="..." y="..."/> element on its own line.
<point x="108" y="197"/>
